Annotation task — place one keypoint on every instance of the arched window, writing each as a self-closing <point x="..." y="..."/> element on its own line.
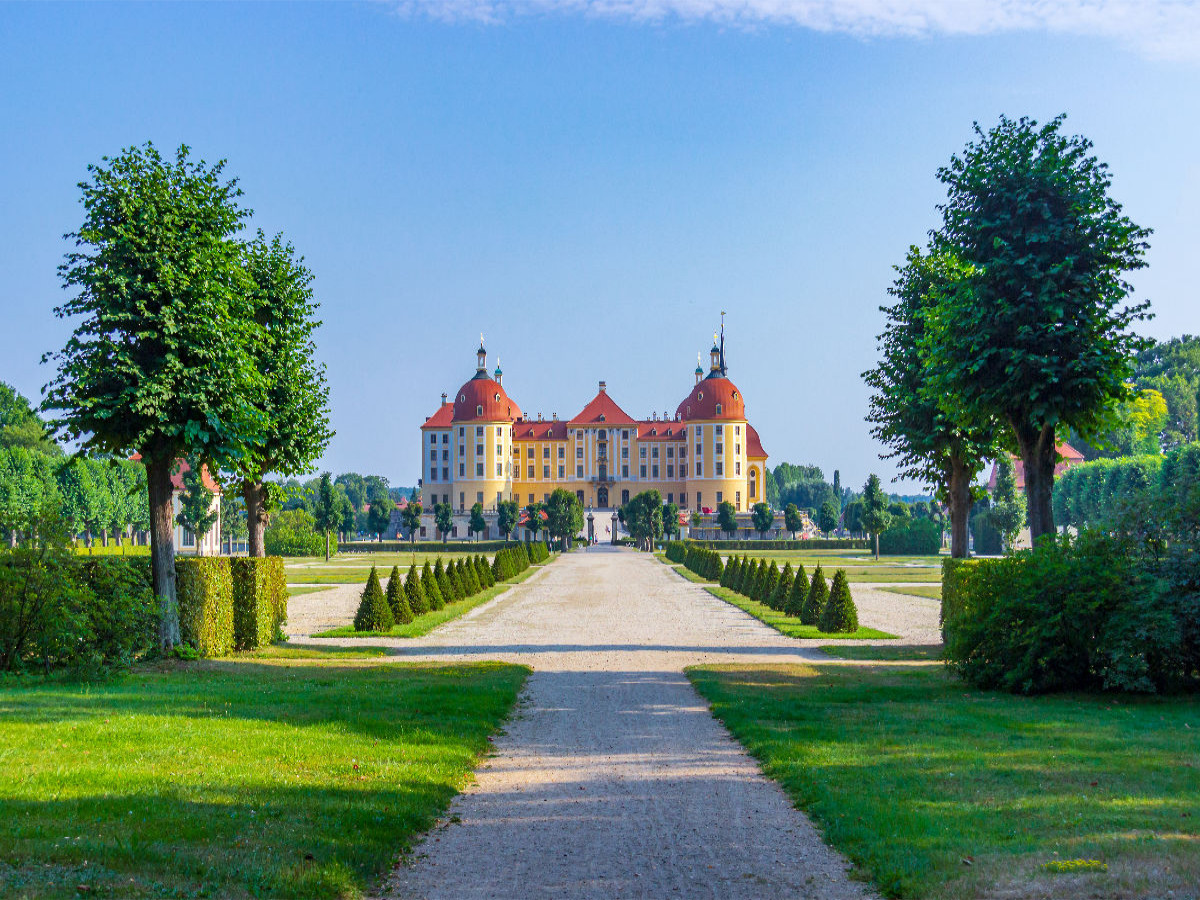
<point x="718" y="409"/>
<point x="753" y="483"/>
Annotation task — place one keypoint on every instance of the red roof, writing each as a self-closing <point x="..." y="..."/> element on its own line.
<point x="442" y="418"/>
<point x="602" y="409"/>
<point x="539" y="431"/>
<point x="206" y="478"/>
<point x="702" y="402"/>
<point x="483" y="400"/>
<point x="754" y="447"/>
<point x="661" y="430"/>
<point x="1070" y="457"/>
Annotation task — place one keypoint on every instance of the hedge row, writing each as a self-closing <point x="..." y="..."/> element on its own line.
<point x="422" y="546"/>
<point x="439" y="585"/>
<point x="789" y="591"/>
<point x="912" y="537"/>
<point x="228" y="604"/>
<point x="811" y="544"/>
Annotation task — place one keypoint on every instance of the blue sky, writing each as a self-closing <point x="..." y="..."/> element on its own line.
<point x="590" y="182"/>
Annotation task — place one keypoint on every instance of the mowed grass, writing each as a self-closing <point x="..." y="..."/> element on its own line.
<point x="426" y="623"/>
<point x="294" y="591"/>
<point x="933" y="592"/>
<point x="790" y="626"/>
<point x="356" y="568"/>
<point x="886" y="652"/>
<point x="236" y="779"/>
<point x="936" y="790"/>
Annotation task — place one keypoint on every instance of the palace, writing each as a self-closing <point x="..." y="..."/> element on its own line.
<point x="480" y="448"/>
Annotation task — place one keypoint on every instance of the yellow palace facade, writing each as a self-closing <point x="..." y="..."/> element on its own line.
<point x="479" y="447"/>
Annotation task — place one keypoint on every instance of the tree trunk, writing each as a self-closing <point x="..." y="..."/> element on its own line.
<point x="960" y="509"/>
<point x="877" y="546"/>
<point x="327" y="546"/>
<point x="254" y="495"/>
<point x="1039" y="453"/>
<point x="162" y="547"/>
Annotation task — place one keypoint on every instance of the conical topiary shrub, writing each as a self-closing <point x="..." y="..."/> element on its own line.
<point x="432" y="594"/>
<point x="373" y="614"/>
<point x="456" y="578"/>
<point x="483" y="572"/>
<point x="760" y="580"/>
<point x="840" y="615"/>
<point x="445" y="587"/>
<point x="415" y="593"/>
<point x="768" y="585"/>
<point x="818" y="595"/>
<point x="467" y="577"/>
<point x="749" y="580"/>
<point x="397" y="601"/>
<point x="798" y="593"/>
<point x="744" y="574"/>
<point x="731" y="573"/>
<point x="783" y="588"/>
<point x="717" y="569"/>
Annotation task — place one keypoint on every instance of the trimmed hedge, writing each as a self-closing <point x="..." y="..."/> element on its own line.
<point x="420" y="546"/>
<point x="812" y="544"/>
<point x="204" y="589"/>
<point x="915" y="537"/>
<point x="259" y="600"/>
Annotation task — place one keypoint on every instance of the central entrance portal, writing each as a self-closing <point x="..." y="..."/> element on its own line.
<point x="602" y="497"/>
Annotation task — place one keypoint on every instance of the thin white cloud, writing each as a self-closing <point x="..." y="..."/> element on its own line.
<point x="1167" y="29"/>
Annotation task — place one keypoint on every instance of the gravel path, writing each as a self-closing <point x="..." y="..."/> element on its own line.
<point x="613" y="780"/>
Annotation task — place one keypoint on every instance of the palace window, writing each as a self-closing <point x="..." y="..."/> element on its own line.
<point x="737" y="449"/>
<point x="737" y="430"/>
<point x="737" y="500"/>
<point x="720" y="494"/>
<point x="546" y="472"/>
<point x="499" y="450"/>
<point x="737" y="468"/>
<point x="670" y="497"/>
<point x="642" y="452"/>
<point x="545" y="453"/>
<point x="445" y="437"/>
<point x="478" y="470"/>
<point x="462" y="470"/>
<point x="719" y="449"/>
<point x="624" y="453"/>
<point x="499" y="429"/>
<point x="529" y="452"/>
<point x="531" y="473"/>
<point x="643" y="471"/>
<point x="499" y="470"/>
<point x="670" y="471"/>
<point x="720" y="429"/>
<point x="479" y="449"/>
<point x="699" y="449"/>
<point x="445" y="473"/>
<point x="478" y="431"/>
<point x="603" y="435"/>
<point x="445" y="454"/>
<point x="654" y="471"/>
<point x="624" y="471"/>
<point x="654" y="452"/>
<point x="433" y="456"/>
<point x="462" y="432"/>
<point x="699" y="469"/>
<point x="579" y="471"/>
<point x="562" y="451"/>
<point x="562" y="471"/>
<point x="433" y="439"/>
<point x="720" y="467"/>
<point x="670" y="453"/>
<point x="579" y="453"/>
<point x="479" y="496"/>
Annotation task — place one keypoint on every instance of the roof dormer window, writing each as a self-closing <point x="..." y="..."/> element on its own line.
<point x="700" y="395"/>
<point x="479" y="410"/>
<point x="718" y="409"/>
<point x="497" y="398"/>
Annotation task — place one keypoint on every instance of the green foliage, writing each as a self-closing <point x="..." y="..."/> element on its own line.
<point x="374" y="613"/>
<point x="197" y="512"/>
<point x="443" y="518"/>
<point x="914" y="537"/>
<point x="1035" y="333"/>
<point x="840" y="614"/>
<point x="762" y="517"/>
<point x="21" y="426"/>
<point x="507" y="513"/>
<point x="477" y="524"/>
<point x="827" y="516"/>
<point x="445" y="584"/>
<point x="783" y="544"/>
<point x="379" y="515"/>
<point x="204" y="588"/>
<point x="814" y="603"/>
<point x="329" y="510"/>
<point x="798" y="594"/>
<point x="397" y="598"/>
<point x="415" y="594"/>
<point x="410" y="518"/>
<point x="483" y="572"/>
<point x="429" y="584"/>
<point x="783" y="589"/>
<point x="292" y="532"/>
<point x="1069" y="615"/>
<point x="727" y="517"/>
<point x="643" y="517"/>
<point x="875" y="516"/>
<point x="27" y="487"/>
<point x="793" y="521"/>
<point x="260" y="598"/>
<point x="1008" y="506"/>
<point x="767" y="585"/>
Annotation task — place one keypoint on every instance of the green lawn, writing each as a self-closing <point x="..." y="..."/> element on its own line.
<point x="933" y="592"/>
<point x="788" y="625"/>
<point x="235" y="779"/>
<point x="936" y="790"/>
<point x="294" y="591"/>
<point x="887" y="652"/>
<point x="424" y="624"/>
<point x="356" y="567"/>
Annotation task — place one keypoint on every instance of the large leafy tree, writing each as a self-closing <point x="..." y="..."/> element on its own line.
<point x="643" y="517"/>
<point x="1035" y="334"/>
<point x="293" y="400"/>
<point x="20" y="425"/>
<point x="933" y="443"/>
<point x="507" y="514"/>
<point x="1007" y="514"/>
<point x="197" y="511"/>
<point x="159" y="361"/>
<point x="411" y="517"/>
<point x="443" y="518"/>
<point x="827" y="517"/>
<point x="670" y="514"/>
<point x="762" y="517"/>
<point x="27" y="489"/>
<point x="329" y="509"/>
<point x="792" y="520"/>
<point x="874" y="515"/>
<point x="477" y="524"/>
<point x="726" y="517"/>
<point x="564" y="516"/>
<point x="380" y="514"/>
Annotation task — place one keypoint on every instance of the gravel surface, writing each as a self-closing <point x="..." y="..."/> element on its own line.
<point x="612" y="779"/>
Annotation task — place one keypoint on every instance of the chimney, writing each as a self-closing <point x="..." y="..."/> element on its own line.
<point x="554" y="416"/>
<point x="539" y="417"/>
<point x="443" y="399"/>
<point x="603" y="385"/>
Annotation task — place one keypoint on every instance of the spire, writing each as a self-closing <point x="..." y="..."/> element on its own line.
<point x="481" y="357"/>
<point x="699" y="371"/>
<point x="499" y="373"/>
<point x="724" y="370"/>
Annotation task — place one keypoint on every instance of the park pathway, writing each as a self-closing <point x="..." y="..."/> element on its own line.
<point x="613" y="780"/>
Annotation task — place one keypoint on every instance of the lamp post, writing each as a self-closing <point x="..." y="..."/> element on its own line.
<point x="591" y="520"/>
